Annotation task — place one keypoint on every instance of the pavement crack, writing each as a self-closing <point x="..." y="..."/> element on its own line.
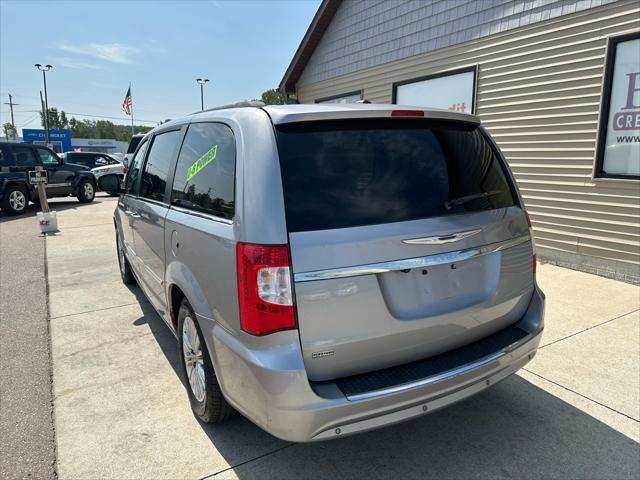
<point x="142" y="302"/>
<point x="88" y="226"/>
<point x="54" y="466"/>
<point x="232" y="467"/>
<point x="583" y="396"/>
<point x="588" y="328"/>
<point x="114" y="342"/>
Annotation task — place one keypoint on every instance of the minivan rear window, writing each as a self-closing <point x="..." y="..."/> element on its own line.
<point x="348" y="173"/>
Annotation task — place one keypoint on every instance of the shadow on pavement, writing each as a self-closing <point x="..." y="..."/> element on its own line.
<point x="58" y="204"/>
<point x="512" y="430"/>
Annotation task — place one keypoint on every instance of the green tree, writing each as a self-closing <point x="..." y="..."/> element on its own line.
<point x="57" y="120"/>
<point x="9" y="130"/>
<point x="273" y="96"/>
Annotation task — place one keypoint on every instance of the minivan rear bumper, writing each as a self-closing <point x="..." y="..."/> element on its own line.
<point x="268" y="384"/>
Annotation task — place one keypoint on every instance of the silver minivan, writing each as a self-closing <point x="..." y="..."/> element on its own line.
<point x="330" y="269"/>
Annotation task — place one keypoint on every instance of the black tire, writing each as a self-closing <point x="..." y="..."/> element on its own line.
<point x="86" y="194"/>
<point x="213" y="408"/>
<point x="125" y="269"/>
<point x="14" y="200"/>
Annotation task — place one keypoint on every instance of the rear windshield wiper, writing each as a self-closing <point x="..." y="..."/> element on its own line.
<point x="448" y="205"/>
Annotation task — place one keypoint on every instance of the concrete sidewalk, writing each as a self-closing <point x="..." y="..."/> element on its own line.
<point x="122" y="412"/>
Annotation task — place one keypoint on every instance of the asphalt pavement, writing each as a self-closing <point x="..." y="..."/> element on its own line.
<point x="27" y="441"/>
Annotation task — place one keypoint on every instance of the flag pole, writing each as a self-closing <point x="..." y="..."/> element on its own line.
<point x="130" y="93"/>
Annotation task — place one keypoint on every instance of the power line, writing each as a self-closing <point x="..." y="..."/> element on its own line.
<point x="88" y="115"/>
<point x="106" y="116"/>
<point x="97" y="105"/>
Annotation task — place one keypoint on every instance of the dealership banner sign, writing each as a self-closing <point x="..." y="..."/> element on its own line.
<point x="619" y="150"/>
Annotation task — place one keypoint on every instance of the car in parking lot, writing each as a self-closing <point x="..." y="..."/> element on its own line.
<point x="99" y="163"/>
<point x="330" y="269"/>
<point x="64" y="179"/>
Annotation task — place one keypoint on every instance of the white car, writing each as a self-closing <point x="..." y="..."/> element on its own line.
<point x="99" y="163"/>
<point x="117" y="168"/>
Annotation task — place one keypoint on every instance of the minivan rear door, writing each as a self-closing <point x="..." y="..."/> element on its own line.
<point x="407" y="240"/>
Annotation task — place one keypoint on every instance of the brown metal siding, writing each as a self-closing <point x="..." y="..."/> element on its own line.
<point x="538" y="94"/>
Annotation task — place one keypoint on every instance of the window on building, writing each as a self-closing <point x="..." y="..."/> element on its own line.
<point x="153" y="182"/>
<point x="618" y="154"/>
<point x="131" y="186"/>
<point x="205" y="173"/>
<point x="351" y="97"/>
<point x="454" y="90"/>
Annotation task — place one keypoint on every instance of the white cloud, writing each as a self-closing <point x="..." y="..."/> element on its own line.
<point x="111" y="52"/>
<point x="73" y="63"/>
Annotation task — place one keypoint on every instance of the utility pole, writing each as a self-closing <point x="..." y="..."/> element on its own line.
<point x="44" y="71"/>
<point x="46" y="119"/>
<point x="201" y="82"/>
<point x="11" y="105"/>
<point x="132" y="128"/>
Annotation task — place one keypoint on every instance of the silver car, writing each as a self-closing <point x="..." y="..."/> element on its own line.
<point x="331" y="269"/>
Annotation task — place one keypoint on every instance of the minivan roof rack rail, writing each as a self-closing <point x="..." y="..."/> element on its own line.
<point x="255" y="103"/>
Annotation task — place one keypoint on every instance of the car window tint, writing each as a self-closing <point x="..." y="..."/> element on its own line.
<point x="25" y="157"/>
<point x="81" y="159"/>
<point x="350" y="173"/>
<point x="131" y="186"/>
<point x="205" y="173"/>
<point x="46" y="156"/>
<point x="133" y="144"/>
<point x="153" y="182"/>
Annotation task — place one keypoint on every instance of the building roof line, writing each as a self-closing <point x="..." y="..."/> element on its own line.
<point x="321" y="20"/>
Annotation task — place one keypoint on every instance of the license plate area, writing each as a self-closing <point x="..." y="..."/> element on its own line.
<point x="436" y="290"/>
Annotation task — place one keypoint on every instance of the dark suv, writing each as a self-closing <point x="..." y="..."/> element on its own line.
<point x="64" y="179"/>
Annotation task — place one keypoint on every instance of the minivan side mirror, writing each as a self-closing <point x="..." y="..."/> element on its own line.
<point x="110" y="183"/>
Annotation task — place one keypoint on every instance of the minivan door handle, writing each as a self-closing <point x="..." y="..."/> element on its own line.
<point x="132" y="214"/>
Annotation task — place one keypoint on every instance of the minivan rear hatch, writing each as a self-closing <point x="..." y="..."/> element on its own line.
<point x="406" y="237"/>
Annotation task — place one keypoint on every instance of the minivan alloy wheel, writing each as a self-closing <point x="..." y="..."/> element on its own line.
<point x="17" y="200"/>
<point x="193" y="360"/>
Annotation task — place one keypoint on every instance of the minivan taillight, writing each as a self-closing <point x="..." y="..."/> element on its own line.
<point x="265" y="289"/>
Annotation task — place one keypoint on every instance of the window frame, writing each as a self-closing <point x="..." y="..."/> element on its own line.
<point x="135" y="190"/>
<point x="14" y="152"/>
<point x="181" y="129"/>
<point x="50" y="152"/>
<point x="341" y="95"/>
<point x="605" y="107"/>
<point x="448" y="73"/>
<point x="203" y="213"/>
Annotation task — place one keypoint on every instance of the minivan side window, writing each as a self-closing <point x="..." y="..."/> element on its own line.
<point x="205" y="173"/>
<point x="134" y="170"/>
<point x="153" y="183"/>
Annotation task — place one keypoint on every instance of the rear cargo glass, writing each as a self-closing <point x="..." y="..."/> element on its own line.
<point x="339" y="174"/>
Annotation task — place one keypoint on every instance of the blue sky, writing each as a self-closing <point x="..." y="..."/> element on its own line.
<point x="97" y="47"/>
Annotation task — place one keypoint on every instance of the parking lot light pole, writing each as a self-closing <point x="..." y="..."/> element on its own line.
<point x="201" y="82"/>
<point x="44" y="71"/>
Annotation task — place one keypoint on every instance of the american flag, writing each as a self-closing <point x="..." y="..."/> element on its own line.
<point x="127" y="103"/>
